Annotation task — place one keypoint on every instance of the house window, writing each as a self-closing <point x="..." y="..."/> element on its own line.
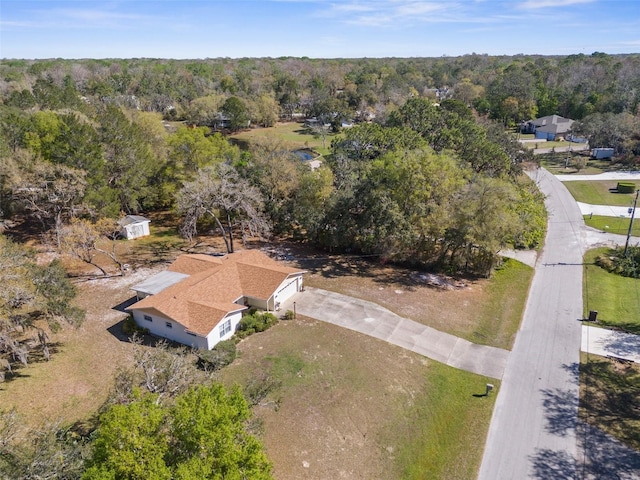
<point x="169" y="324"/>
<point x="148" y="318"/>
<point x="225" y="328"/>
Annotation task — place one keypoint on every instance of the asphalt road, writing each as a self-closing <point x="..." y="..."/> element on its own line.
<point x="533" y="432"/>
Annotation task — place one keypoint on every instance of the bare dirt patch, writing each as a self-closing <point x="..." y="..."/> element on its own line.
<point x="446" y="303"/>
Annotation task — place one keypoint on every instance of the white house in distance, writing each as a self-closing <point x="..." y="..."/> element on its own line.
<point x="134" y="226"/>
<point x="199" y="300"/>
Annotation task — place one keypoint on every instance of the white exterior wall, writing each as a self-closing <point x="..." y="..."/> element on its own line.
<point x="214" y="335"/>
<point x="177" y="333"/>
<point x="136" y="230"/>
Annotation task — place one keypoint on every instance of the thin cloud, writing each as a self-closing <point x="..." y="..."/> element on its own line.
<point x="403" y="13"/>
<point x="537" y="4"/>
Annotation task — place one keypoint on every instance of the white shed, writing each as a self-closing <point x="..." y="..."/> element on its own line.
<point x="134" y="226"/>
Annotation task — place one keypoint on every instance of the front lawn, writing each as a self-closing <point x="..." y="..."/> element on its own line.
<point x="341" y="404"/>
<point x="599" y="192"/>
<point x="609" y="397"/>
<point x="615" y="298"/>
<point x="555" y="163"/>
<point x="617" y="225"/>
<point x="295" y="133"/>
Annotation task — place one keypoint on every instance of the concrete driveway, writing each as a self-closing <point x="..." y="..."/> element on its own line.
<point x="376" y="321"/>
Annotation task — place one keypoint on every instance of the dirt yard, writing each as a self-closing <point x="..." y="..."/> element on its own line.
<point x="340" y="405"/>
<point x="341" y="395"/>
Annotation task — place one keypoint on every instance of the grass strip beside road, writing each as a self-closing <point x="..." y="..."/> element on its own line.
<point x="599" y="192"/>
<point x="444" y="432"/>
<point x="610" y="397"/>
<point x="502" y="311"/>
<point x="614" y="297"/>
<point x="617" y="225"/>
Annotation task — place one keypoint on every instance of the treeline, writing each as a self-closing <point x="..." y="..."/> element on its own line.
<point x="425" y="182"/>
<point x="506" y="88"/>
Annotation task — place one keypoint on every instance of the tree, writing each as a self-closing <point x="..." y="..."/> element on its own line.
<point x="51" y="193"/>
<point x="129" y="161"/>
<point x="191" y="149"/>
<point x="48" y="451"/>
<point x="212" y="420"/>
<point x="265" y="111"/>
<point x="86" y="241"/>
<point x="204" y="110"/>
<point x="618" y="131"/>
<point x="162" y="370"/>
<point x="275" y="170"/>
<point x="202" y="435"/>
<point x="229" y="200"/>
<point x="236" y="112"/>
<point x="30" y="293"/>
<point x="131" y="443"/>
<point x="484" y="221"/>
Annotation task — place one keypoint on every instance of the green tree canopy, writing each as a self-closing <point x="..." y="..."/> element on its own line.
<point x="201" y="435"/>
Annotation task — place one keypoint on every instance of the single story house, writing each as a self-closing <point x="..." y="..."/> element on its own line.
<point x="199" y="300"/>
<point x="134" y="226"/>
<point x="548" y="128"/>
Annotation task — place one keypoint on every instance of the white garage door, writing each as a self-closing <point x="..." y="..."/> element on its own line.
<point x="287" y="291"/>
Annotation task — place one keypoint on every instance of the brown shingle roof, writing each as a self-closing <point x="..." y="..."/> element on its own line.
<point x="200" y="301"/>
<point x="191" y="263"/>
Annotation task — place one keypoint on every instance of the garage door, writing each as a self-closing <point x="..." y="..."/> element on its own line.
<point x="287" y="291"/>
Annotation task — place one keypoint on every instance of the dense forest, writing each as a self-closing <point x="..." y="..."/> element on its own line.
<point x="422" y="169"/>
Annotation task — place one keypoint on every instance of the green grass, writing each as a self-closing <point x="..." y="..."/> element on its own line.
<point x="601" y="192"/>
<point x="294" y="133"/>
<point x="548" y="144"/>
<point x="444" y="432"/>
<point x="615" y="298"/>
<point x="610" y="397"/>
<point x="500" y="316"/>
<point x="555" y="163"/>
<point x="618" y="225"/>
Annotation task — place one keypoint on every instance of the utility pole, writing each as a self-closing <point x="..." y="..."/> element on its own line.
<point x="633" y="212"/>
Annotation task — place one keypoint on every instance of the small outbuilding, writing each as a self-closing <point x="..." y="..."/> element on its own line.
<point x="134" y="226"/>
<point x="602" y="153"/>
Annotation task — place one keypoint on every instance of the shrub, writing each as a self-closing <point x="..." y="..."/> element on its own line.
<point x="289" y="315"/>
<point x="615" y="262"/>
<point x="254" y="323"/>
<point x="223" y="354"/>
<point x="626" y="187"/>
<point x="130" y="327"/>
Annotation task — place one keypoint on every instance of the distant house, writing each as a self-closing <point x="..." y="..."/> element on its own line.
<point x="549" y="128"/>
<point x="134" y="226"/>
<point x="199" y="300"/>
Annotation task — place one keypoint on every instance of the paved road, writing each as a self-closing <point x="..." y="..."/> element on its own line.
<point x="533" y="429"/>
<point x="376" y="321"/>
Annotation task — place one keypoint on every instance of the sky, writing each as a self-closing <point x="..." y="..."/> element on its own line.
<point x="315" y="28"/>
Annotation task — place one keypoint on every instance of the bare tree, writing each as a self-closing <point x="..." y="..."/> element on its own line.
<point x="86" y="241"/>
<point x="52" y="193"/>
<point x="220" y="193"/>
